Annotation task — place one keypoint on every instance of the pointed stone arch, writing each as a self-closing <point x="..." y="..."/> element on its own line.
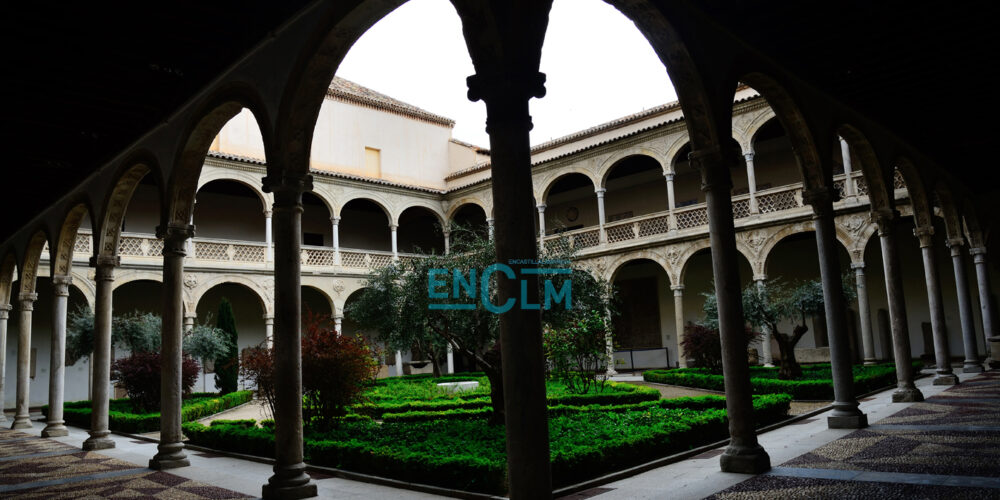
<point x="879" y="195"/>
<point x="949" y="211"/>
<point x="746" y="131"/>
<point x="108" y="233"/>
<point x="61" y="256"/>
<point x="919" y="197"/>
<point x="247" y="179"/>
<point x="8" y="274"/>
<point x="30" y="261"/>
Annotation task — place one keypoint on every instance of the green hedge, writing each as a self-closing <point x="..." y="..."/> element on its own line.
<point x="815" y="383"/>
<point x="122" y="419"/>
<point x="469" y="454"/>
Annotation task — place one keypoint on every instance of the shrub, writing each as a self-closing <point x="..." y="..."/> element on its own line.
<point x="257" y="371"/>
<point x="576" y="353"/>
<point x="336" y="370"/>
<point x="227" y="367"/>
<point x="703" y="346"/>
<point x="139" y="374"/>
<point x="122" y="419"/>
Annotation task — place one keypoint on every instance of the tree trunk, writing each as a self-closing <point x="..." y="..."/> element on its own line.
<point x="495" y="375"/>
<point x="790" y="368"/>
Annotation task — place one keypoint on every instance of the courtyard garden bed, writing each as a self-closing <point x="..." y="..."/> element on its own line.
<point x="448" y="441"/>
<point x="122" y="417"/>
<point x="815" y="383"/>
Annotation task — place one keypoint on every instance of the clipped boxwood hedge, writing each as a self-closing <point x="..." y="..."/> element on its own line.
<point x="469" y="454"/>
<point x="815" y="384"/>
<point x="122" y="419"/>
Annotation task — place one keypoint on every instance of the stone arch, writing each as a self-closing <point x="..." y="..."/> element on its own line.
<point x="855" y="231"/>
<point x="973" y="229"/>
<point x="372" y="197"/>
<point x="747" y="132"/>
<point x="790" y="116"/>
<point x="430" y="206"/>
<point x="457" y="205"/>
<point x="621" y="260"/>
<point x="137" y="275"/>
<point x="674" y="150"/>
<point x="83" y="283"/>
<point x="117" y="202"/>
<point x="214" y="112"/>
<point x="8" y="274"/>
<point x="878" y="194"/>
<point x="609" y="164"/>
<point x="30" y="260"/>
<point x="317" y="287"/>
<point x="919" y="199"/>
<point x="61" y="256"/>
<point x="806" y="227"/>
<point x="552" y="179"/>
<point x="255" y="287"/>
<point x="247" y="179"/>
<point x="949" y="210"/>
<point x="680" y="258"/>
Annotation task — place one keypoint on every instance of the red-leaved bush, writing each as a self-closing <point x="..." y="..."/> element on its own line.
<point x="139" y="374"/>
<point x="703" y="347"/>
<point x="257" y="372"/>
<point x="336" y="370"/>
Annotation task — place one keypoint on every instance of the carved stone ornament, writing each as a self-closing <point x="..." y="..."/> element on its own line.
<point x="855" y="224"/>
<point x="190" y="281"/>
<point x="338" y="286"/>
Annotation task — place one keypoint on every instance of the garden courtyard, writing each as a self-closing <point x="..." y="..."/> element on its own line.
<point x="446" y="438"/>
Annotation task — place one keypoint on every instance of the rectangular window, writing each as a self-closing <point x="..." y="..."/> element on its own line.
<point x="373" y="162"/>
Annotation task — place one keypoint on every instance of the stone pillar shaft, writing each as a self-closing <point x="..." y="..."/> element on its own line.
<point x="845" y="152"/>
<point x="766" y="357"/>
<point x="100" y="360"/>
<point x="395" y="245"/>
<point x="4" y="315"/>
<point x="845" y="414"/>
<point x="752" y="183"/>
<point x="679" y="324"/>
<point x="905" y="391"/>
<point x="170" y="452"/>
<point x="451" y="359"/>
<point x="489" y="224"/>
<point x="267" y="236"/>
<point x="289" y="479"/>
<point x="971" y="363"/>
<point x="336" y="240"/>
<point x="541" y="221"/>
<point x="671" y="201"/>
<point x="601" y="219"/>
<point x="269" y="330"/>
<point x="447" y="242"/>
<point x="508" y="123"/>
<point x="942" y="352"/>
<point x="744" y="454"/>
<point x="985" y="300"/>
<point x="21" y="418"/>
<point x="57" y="363"/>
<point x="864" y="313"/>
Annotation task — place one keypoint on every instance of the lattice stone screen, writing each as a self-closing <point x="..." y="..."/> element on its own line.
<point x="897" y="180"/>
<point x="620" y="232"/>
<point x="741" y="208"/>
<point x="656" y="225"/>
<point x="774" y="202"/>
<point x="587" y="239"/>
<point x="692" y="218"/>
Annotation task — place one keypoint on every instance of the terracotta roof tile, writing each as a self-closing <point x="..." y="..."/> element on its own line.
<point x="358" y="94"/>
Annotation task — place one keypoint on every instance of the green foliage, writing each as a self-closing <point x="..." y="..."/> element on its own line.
<point x="577" y="351"/>
<point x="466" y="452"/>
<point x="814" y="384"/>
<point x="122" y="417"/>
<point x="79" y="334"/>
<point x="137" y="332"/>
<point x="207" y="343"/>
<point x="227" y="366"/>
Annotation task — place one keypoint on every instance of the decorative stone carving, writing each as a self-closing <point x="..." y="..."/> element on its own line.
<point x="190" y="281"/>
<point x="338" y="286"/>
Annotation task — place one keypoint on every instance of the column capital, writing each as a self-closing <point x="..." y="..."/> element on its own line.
<point x="820" y="199"/>
<point x="600" y="192"/>
<point x="105" y="261"/>
<point x="978" y="254"/>
<point x="541" y="208"/>
<point x="267" y="214"/>
<point x="669" y="176"/>
<point x="490" y="86"/>
<point x="842" y="140"/>
<point x="60" y="285"/>
<point x="393" y="227"/>
<point x="760" y="278"/>
<point x="885" y="218"/>
<point x="925" y="235"/>
<point x="5" y="311"/>
<point x="955" y="244"/>
<point x="335" y="220"/>
<point x="714" y="164"/>
<point x="678" y="289"/>
<point x="175" y="237"/>
<point x="27" y="300"/>
<point x="748" y="156"/>
<point x="858" y="267"/>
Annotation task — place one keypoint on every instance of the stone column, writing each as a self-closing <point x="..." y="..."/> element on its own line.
<point x="744" y="454"/>
<point x="395" y="246"/>
<point x="508" y="123"/>
<point x="942" y="353"/>
<point x="336" y="240"/>
<point x="864" y="314"/>
<point x="267" y="235"/>
<point x="21" y="418"/>
<point x="985" y="301"/>
<point x="671" y="202"/>
<point x="399" y="363"/>
<point x="905" y="392"/>
<point x="751" y="183"/>
<point x="289" y="479"/>
<point x="850" y="190"/>
<point x="451" y="359"/>
<point x="269" y="330"/>
<point x="541" y="221"/>
<point x="54" y="425"/>
<point x="679" y="324"/>
<point x="600" y="212"/>
<point x="100" y="360"/>
<point x="170" y="452"/>
<point x="189" y="321"/>
<point x="338" y="324"/>
<point x="4" y="314"/>
<point x="489" y="224"/>
<point x="972" y="364"/>
<point x="447" y="241"/>
<point x="845" y="414"/>
<point x="609" y="353"/>
<point x="766" y="357"/>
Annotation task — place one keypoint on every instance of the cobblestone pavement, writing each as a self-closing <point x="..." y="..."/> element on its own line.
<point x="946" y="447"/>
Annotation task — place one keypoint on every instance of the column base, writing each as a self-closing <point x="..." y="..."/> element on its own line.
<point x="289" y="492"/>
<point x="169" y="456"/>
<point x="611" y="372"/>
<point x="907" y="395"/>
<point x="945" y="379"/>
<point x="972" y="367"/>
<point x="745" y="460"/>
<point x="21" y="422"/>
<point x="55" y="430"/>
<point x="870" y="362"/>
<point x="98" y="443"/>
<point x="289" y="482"/>
<point x="847" y="421"/>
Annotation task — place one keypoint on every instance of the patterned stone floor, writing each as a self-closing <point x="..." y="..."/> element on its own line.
<point x="946" y="447"/>
<point x="32" y="467"/>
